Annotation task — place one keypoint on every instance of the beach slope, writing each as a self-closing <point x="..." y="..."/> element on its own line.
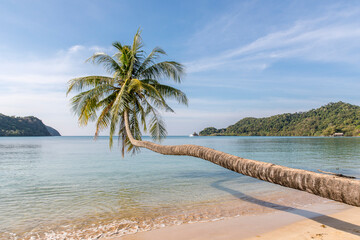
<point x="327" y="222"/>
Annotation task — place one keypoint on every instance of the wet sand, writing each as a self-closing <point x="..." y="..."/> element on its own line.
<point x="318" y="221"/>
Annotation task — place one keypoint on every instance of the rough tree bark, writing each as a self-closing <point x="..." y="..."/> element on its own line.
<point x="327" y="186"/>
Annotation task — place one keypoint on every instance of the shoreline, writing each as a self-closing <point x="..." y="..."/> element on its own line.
<point x="317" y="221"/>
<point x="237" y="205"/>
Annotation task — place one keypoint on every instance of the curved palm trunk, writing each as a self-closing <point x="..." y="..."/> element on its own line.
<point x="327" y="186"/>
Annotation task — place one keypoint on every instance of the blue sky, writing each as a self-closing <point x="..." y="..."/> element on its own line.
<point x="243" y="58"/>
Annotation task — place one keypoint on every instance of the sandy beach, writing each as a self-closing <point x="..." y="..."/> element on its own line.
<point x="320" y="221"/>
<point x="343" y="225"/>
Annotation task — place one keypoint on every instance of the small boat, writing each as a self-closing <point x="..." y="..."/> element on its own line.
<point x="194" y="135"/>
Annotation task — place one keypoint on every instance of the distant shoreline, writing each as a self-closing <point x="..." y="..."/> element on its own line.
<point x="91" y="136"/>
<point x="338" y="119"/>
<point x="276" y="136"/>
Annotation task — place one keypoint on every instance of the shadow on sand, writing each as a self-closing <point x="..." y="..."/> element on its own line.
<point x="317" y="217"/>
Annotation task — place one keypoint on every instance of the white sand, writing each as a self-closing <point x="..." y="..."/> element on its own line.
<point x="319" y="221"/>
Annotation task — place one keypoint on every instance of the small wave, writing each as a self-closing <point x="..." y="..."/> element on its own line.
<point x="91" y="228"/>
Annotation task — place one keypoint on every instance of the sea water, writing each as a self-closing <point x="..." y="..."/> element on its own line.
<point x="75" y="187"/>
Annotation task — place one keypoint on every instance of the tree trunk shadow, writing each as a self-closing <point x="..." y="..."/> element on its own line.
<point x="317" y="217"/>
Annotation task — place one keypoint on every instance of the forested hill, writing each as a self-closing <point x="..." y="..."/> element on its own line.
<point x="24" y="126"/>
<point x="332" y="118"/>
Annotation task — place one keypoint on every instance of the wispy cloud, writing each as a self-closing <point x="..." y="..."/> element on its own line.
<point x="34" y="85"/>
<point x="333" y="37"/>
<point x="56" y="68"/>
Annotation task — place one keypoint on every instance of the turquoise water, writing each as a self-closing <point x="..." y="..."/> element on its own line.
<point x="56" y="185"/>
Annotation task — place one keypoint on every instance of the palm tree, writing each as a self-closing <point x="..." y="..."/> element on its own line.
<point x="131" y="98"/>
<point x="134" y="89"/>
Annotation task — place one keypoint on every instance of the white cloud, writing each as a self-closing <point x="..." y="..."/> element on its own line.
<point x="75" y="49"/>
<point x="57" y="68"/>
<point x="36" y="86"/>
<point x="333" y="37"/>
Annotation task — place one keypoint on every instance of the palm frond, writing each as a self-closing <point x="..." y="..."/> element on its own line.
<point x="167" y="91"/>
<point x="166" y="69"/>
<point x="107" y="61"/>
<point x="81" y="83"/>
<point x="105" y="116"/>
<point x="150" y="59"/>
<point x="157" y="127"/>
<point x="118" y="46"/>
<point x="85" y="104"/>
<point x="137" y="43"/>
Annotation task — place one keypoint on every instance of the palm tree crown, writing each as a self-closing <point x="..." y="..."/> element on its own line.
<point x="134" y="88"/>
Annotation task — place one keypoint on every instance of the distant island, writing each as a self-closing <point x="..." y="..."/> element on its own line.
<point x="24" y="126"/>
<point x="341" y="118"/>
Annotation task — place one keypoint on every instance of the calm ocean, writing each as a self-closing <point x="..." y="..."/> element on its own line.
<point x="75" y="187"/>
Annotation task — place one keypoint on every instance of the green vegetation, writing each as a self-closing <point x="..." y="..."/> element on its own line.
<point x="134" y="90"/>
<point x="24" y="126"/>
<point x="212" y="131"/>
<point x="52" y="131"/>
<point x="324" y="121"/>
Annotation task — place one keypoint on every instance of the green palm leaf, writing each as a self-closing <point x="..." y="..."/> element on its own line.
<point x="133" y="88"/>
